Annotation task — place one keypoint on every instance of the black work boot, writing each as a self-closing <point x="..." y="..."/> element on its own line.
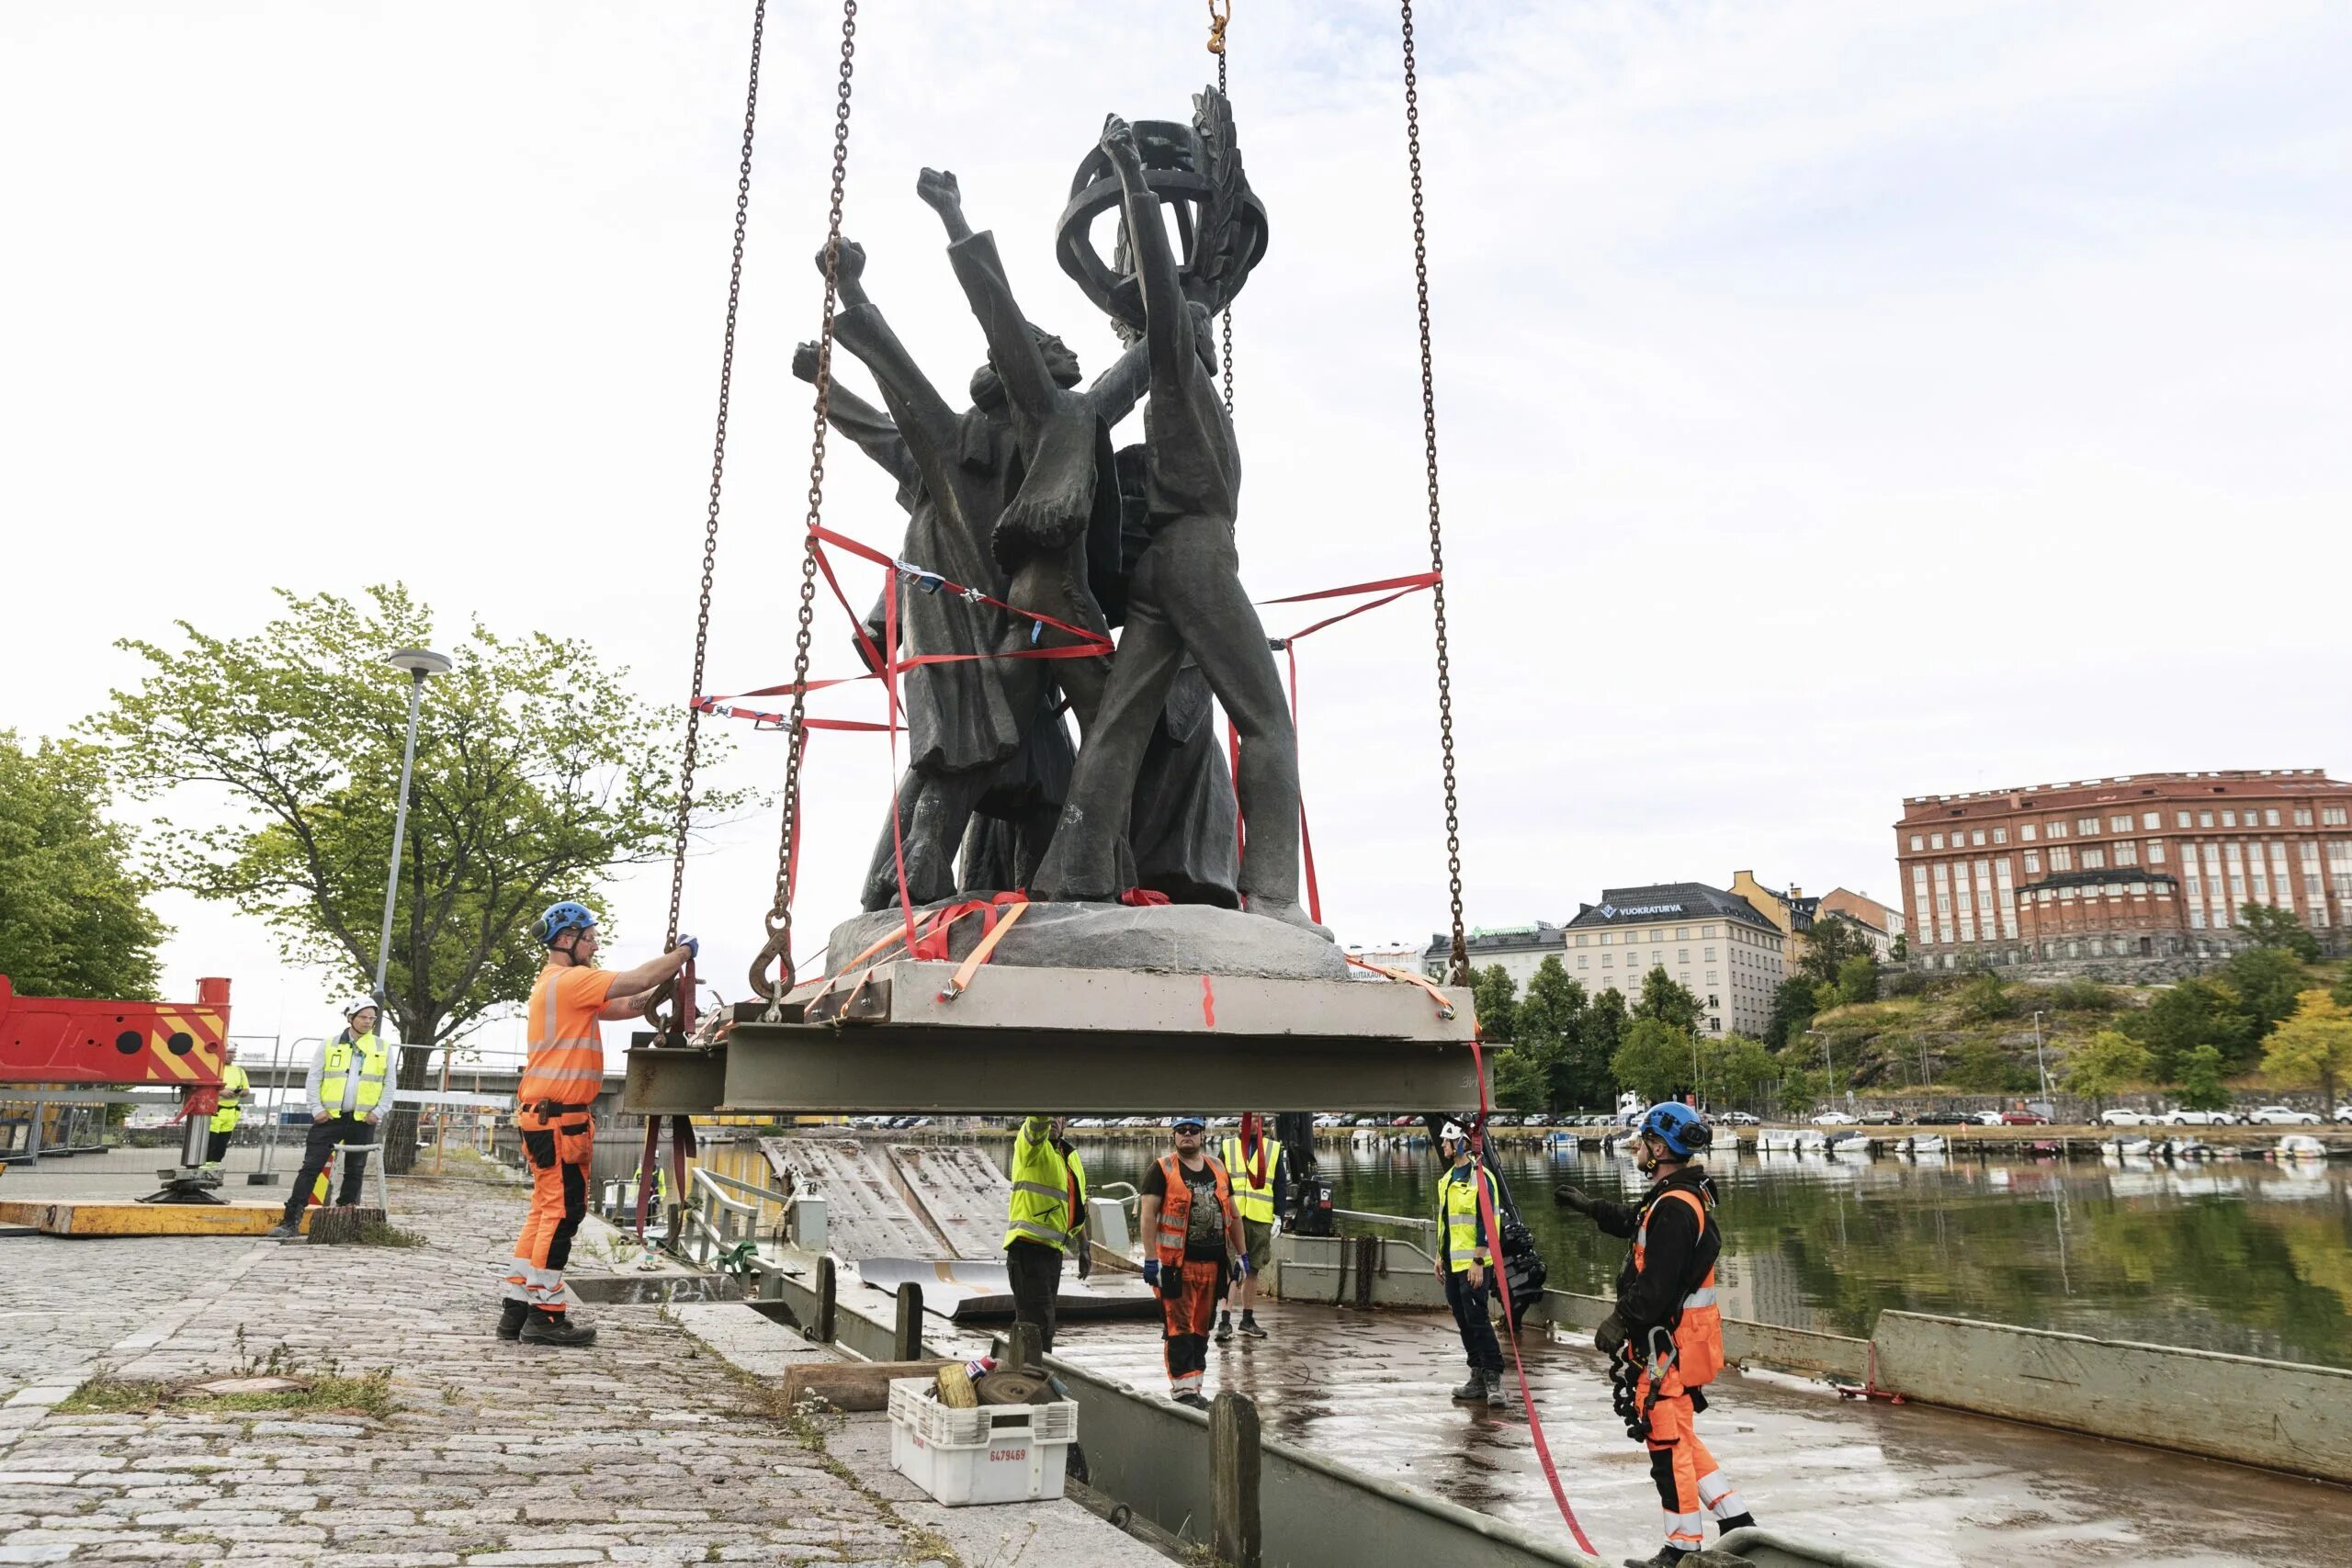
<point x="1737" y="1522"/>
<point x="1224" y="1326"/>
<point x="510" y="1318"/>
<point x="284" y="1230"/>
<point x="1495" y="1400"/>
<point x="545" y="1328"/>
<point x="1249" y="1325"/>
<point x="1474" y="1389"/>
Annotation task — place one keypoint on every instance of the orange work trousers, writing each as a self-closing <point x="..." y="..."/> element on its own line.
<point x="558" y="1149"/>
<point x="1690" y="1486"/>
<point x="1187" y="1315"/>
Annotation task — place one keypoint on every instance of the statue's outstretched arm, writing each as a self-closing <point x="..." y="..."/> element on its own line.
<point x="1012" y="348"/>
<point x="1168" y="325"/>
<point x="875" y="432"/>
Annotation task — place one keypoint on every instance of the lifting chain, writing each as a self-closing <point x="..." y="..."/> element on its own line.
<point x="1220" y="16"/>
<point x="717" y="475"/>
<point x="1458" y="964"/>
<point x="679" y="988"/>
<point x="778" y="949"/>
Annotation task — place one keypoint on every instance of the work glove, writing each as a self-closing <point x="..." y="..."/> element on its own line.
<point x="1570" y="1196"/>
<point x="1610" y="1338"/>
<point x="1151" y="1272"/>
<point x="1085" y="1259"/>
<point x="693" y="947"/>
<point x="1241" y="1267"/>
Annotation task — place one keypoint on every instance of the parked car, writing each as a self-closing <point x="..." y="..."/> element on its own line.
<point x="2281" y="1116"/>
<point x="2344" y="1111"/>
<point x="1736" y="1119"/>
<point x="1502" y="1120"/>
<point x="1880" y="1119"/>
<point x="1943" y="1119"/>
<point x="2024" y="1119"/>
<point x="2119" y="1117"/>
<point x="1833" y="1119"/>
<point x="1538" y="1120"/>
<point x="2199" y="1119"/>
<point x="1988" y="1119"/>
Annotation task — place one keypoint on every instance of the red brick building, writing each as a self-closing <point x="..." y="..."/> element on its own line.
<point x="2148" y="866"/>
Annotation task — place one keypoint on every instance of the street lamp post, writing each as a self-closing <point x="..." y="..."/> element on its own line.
<point x="2042" y="1068"/>
<point x="422" y="663"/>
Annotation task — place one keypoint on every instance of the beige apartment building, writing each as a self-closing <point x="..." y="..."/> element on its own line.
<point x="1712" y="943"/>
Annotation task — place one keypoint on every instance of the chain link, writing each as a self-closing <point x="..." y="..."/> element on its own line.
<point x="778" y="948"/>
<point x="717" y="476"/>
<point x="1225" y="318"/>
<point x="1458" y="965"/>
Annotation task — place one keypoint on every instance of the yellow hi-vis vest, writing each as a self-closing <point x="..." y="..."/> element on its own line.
<point x="1458" y="1211"/>
<point x="1043" y="1179"/>
<point x="231" y="1103"/>
<point x="1254" y="1200"/>
<point x="373" y="1061"/>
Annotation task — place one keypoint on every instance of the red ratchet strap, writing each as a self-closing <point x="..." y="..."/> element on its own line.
<point x="890" y="690"/>
<point x="1511" y="1317"/>
<point x="1096" y="642"/>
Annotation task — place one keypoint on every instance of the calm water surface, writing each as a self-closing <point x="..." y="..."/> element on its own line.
<point x="2241" y="1256"/>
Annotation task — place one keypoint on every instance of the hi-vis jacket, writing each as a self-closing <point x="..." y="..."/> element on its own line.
<point x="229" y="1107"/>
<point x="1253" y="1175"/>
<point x="1462" y="1238"/>
<point x="1669" y="1277"/>
<point x="1048" y="1189"/>
<point x="350" y="1078"/>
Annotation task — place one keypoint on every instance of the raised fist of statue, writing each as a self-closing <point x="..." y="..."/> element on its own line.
<point x="939" y="191"/>
<point x="804" y="362"/>
<point x="853" y="263"/>
<point x="1119" y="141"/>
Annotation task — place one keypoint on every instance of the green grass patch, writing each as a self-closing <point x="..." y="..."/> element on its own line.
<point x="329" y="1393"/>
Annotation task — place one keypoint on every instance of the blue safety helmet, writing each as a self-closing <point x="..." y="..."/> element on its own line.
<point x="1188" y="1119"/>
<point x="1677" y="1126"/>
<point x="561" y="917"/>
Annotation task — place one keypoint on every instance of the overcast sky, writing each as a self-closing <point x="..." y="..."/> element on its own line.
<point x="1838" y="400"/>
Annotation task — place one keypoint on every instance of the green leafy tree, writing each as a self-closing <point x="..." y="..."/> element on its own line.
<point x="1735" y="1070"/>
<point x="536" y="772"/>
<point x="2270" y="926"/>
<point x="2314" y="1046"/>
<point x="2108" y="1061"/>
<point x="1980" y="1068"/>
<point x="2268" y="981"/>
<point x="1494" y="994"/>
<point x="1668" y="1001"/>
<point x="1899" y="949"/>
<point x="2200" y="1080"/>
<point x="1832" y="940"/>
<point x="1858" y="979"/>
<point x="1553" y="1014"/>
<point x="1601" y="1031"/>
<point x="1794" y="1006"/>
<point x="1655" y="1059"/>
<point x="1801" y="1090"/>
<point x="1984" y="1000"/>
<point x="2186" y="1016"/>
<point x="74" y="918"/>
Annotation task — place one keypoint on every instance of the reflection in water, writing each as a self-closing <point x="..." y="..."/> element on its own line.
<point x="2241" y="1256"/>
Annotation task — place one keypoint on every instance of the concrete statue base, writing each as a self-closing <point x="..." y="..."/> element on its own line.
<point x="1183" y="939"/>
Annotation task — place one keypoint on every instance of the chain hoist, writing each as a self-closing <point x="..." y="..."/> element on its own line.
<point x="1220" y="17"/>
<point x="779" y="920"/>
<point x="1458" y="964"/>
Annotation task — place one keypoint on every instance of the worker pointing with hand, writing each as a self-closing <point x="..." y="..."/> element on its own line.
<point x="1665" y="1337"/>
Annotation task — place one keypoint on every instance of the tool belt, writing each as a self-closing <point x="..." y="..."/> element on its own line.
<point x="548" y="1109"/>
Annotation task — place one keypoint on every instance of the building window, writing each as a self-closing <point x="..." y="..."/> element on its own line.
<point x="2000" y="835"/>
<point x="2180" y="818"/>
<point x="1682" y="956"/>
<point x="2303" y="816"/>
<point x="2270" y="817"/>
<point x="2034" y="863"/>
<point x="2151" y="820"/>
<point x="2087" y="826"/>
<point x="1608" y="939"/>
<point x="1582" y="938"/>
<point x="2155" y="851"/>
<point x="2230" y="818"/>
<point x="2204" y="819"/>
<point x="1935" y="840"/>
<point x="1711" y="956"/>
<point x="1918" y="840"/>
<point x="1583" y="959"/>
<point x="2127" y="853"/>
<point x="1682" y="933"/>
<point x="2332" y="816"/>
<point x="1707" y="931"/>
<point x="1658" y="934"/>
<point x="1710" y="977"/>
<point x="1608" y="960"/>
<point x="2094" y="859"/>
<point x="2026" y="832"/>
<point x="2062" y="860"/>
<point x="1977" y="838"/>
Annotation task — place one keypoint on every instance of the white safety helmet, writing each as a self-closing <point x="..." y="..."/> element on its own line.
<point x="1452" y="1133"/>
<point x="365" y="1004"/>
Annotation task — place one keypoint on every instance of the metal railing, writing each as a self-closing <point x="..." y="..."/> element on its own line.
<point x="1427" y="1228"/>
<point x="717" y="1229"/>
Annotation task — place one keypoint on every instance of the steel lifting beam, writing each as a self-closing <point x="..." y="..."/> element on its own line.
<point x="1019" y="1039"/>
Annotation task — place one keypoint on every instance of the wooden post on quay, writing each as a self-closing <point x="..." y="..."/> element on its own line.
<point x="821" y="1331"/>
<point x="907" y="1342"/>
<point x="1367" y="1260"/>
<point x="1235" y="1535"/>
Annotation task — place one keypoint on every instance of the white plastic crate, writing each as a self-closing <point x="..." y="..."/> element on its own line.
<point x="996" y="1453"/>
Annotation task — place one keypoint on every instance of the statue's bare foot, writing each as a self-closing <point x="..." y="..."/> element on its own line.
<point x="1289" y="913"/>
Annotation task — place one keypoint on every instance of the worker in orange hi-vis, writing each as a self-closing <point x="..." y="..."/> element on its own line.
<point x="555" y="1108"/>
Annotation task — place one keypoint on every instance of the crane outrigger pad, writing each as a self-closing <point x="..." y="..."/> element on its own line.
<point x="1019" y="1040"/>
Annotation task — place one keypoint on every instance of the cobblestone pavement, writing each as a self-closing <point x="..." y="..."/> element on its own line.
<point x="645" y="1448"/>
